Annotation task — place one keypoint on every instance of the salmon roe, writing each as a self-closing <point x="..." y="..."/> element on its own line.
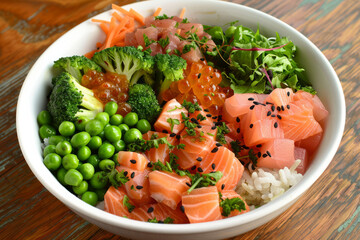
<point x="109" y="87"/>
<point x="201" y="84"/>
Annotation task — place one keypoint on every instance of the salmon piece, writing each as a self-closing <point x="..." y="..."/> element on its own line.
<point x="310" y="143"/>
<point x="130" y="39"/>
<point x="223" y="160"/>
<point x="171" y="110"/>
<point x="320" y="112"/>
<point x="301" y="153"/>
<point x="158" y="211"/>
<point x="208" y="121"/>
<point x="239" y="104"/>
<point x="230" y="194"/>
<point x="193" y="55"/>
<point x="167" y="188"/>
<point x="114" y="202"/>
<point x="132" y="160"/>
<point x="262" y="131"/>
<point x="281" y="154"/>
<point x="185" y="160"/>
<point x="149" y="21"/>
<point x="191" y="27"/>
<point x="155" y="49"/>
<point x="164" y="23"/>
<point x="162" y="152"/>
<point x="138" y="187"/>
<point x="281" y="96"/>
<point x="202" y="205"/>
<point x="150" y="32"/>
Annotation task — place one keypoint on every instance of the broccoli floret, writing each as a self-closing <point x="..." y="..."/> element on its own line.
<point x="142" y="100"/>
<point x="129" y="61"/>
<point x="169" y="68"/>
<point x="69" y="100"/>
<point x="76" y="66"/>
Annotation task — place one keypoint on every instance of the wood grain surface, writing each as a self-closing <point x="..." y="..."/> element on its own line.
<point x="329" y="210"/>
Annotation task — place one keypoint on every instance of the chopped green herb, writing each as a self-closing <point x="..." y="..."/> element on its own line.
<point x="221" y="131"/>
<point x="191" y="107"/>
<point x="117" y="179"/>
<point x="127" y="204"/>
<point x="173" y="122"/>
<point x="147" y="41"/>
<point x="164" y="42"/>
<point x="230" y="204"/>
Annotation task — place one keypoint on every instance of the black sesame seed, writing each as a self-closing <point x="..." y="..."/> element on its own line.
<point x="273" y="115"/>
<point x="149" y="164"/>
<point x="132" y="175"/>
<point x="218" y="144"/>
<point x="208" y="115"/>
<point x="256" y="103"/>
<point x="259" y="145"/>
<point x="215" y="149"/>
<point x="182" y="208"/>
<point x="199" y="75"/>
<point x="150" y="210"/>
<point x="272" y="108"/>
<point x="264" y="155"/>
<point x="172" y="134"/>
<point x="268" y="113"/>
<point x="288" y="93"/>
<point x="139" y="187"/>
<point x="238" y="130"/>
<point x="199" y="126"/>
<point x="268" y="153"/>
<point x="214" y="117"/>
<point x="213" y="127"/>
<point x="252" y="107"/>
<point x="251" y="125"/>
<point x="188" y="184"/>
<point x="206" y="110"/>
<point x="278" y="108"/>
<point x="275" y="125"/>
<point x="288" y="106"/>
<point x="202" y="59"/>
<point x="193" y="168"/>
<point x="278" y="116"/>
<point x="213" y="166"/>
<point x="133" y="161"/>
<point x="178" y="137"/>
<point x="259" y="154"/>
<point x="220" y="117"/>
<point x="222" y="186"/>
<point x="245" y="147"/>
<point x="160" y="221"/>
<point x="125" y="173"/>
<point x="199" y="159"/>
<point x="237" y="119"/>
<point x="194" y="120"/>
<point x="165" y="131"/>
<point x="199" y="169"/>
<point x="282" y="108"/>
<point x="251" y="99"/>
<point x="269" y="103"/>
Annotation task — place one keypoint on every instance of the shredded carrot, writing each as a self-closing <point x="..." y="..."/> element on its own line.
<point x="138" y="17"/>
<point x="90" y="54"/>
<point x="104" y="27"/>
<point x="157" y="12"/>
<point x="120" y="9"/>
<point x="178" y="31"/>
<point x="182" y="13"/>
<point x="117" y="16"/>
<point x="99" y="21"/>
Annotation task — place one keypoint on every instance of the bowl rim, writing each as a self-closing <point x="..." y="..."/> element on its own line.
<point x="292" y="194"/>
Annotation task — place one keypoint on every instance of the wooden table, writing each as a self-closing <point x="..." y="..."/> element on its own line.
<point x="329" y="210"/>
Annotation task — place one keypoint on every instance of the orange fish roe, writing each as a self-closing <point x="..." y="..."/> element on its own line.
<point x="201" y="84"/>
<point x="109" y="87"/>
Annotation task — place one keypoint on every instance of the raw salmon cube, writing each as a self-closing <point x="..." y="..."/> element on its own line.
<point x="277" y="153"/>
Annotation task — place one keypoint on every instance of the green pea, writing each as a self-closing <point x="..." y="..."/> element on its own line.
<point x="52" y="161"/>
<point x="87" y="170"/>
<point x="102" y="134"/>
<point x="70" y="161"/>
<point x="111" y="108"/>
<point x="67" y="128"/>
<point x="60" y="175"/>
<point x="119" y="145"/>
<point x="99" y="180"/>
<point x="116" y="119"/>
<point x="49" y="149"/>
<point x="46" y="131"/>
<point x="132" y="135"/>
<point x="90" y="198"/>
<point x="143" y="125"/>
<point x="103" y="117"/>
<point x="112" y="133"/>
<point x="131" y="119"/>
<point x="80" y="139"/>
<point x="83" y="153"/>
<point x="80" y="123"/>
<point x="106" y="150"/>
<point x="73" y="177"/>
<point x="81" y="188"/>
<point x="54" y="140"/>
<point x="230" y="31"/>
<point x="44" y="118"/>
<point x="95" y="143"/>
<point x="94" y="160"/>
<point x="115" y="158"/>
<point x="63" y="148"/>
<point x="106" y="165"/>
<point x="100" y="193"/>
<point x="94" y="127"/>
<point x="124" y="128"/>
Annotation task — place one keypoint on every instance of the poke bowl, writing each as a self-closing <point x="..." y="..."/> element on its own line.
<point x="83" y="39"/>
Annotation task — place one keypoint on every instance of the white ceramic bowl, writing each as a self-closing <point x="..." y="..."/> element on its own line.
<point x="82" y="39"/>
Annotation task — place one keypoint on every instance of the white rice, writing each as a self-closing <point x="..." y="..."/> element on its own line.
<point x="262" y="185"/>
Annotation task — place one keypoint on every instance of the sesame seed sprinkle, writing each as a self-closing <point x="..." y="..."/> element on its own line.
<point x="172" y="134"/>
<point x="218" y="144"/>
<point x="199" y="75"/>
<point x="150" y="210"/>
<point x="251" y="125"/>
<point x="268" y="113"/>
<point x="222" y="186"/>
<point x="251" y="99"/>
<point x="275" y="125"/>
<point x="189" y="185"/>
<point x="256" y="103"/>
<point x="215" y="149"/>
<point x="282" y="108"/>
<point x="252" y="107"/>
<point x="278" y="108"/>
<point x="213" y="127"/>
<point x="208" y="115"/>
<point x="288" y="93"/>
<point x="149" y="164"/>
<point x="214" y="117"/>
<point x="193" y="168"/>
<point x="182" y="208"/>
<point x="273" y="115"/>
<point x="133" y="161"/>
<point x="259" y="145"/>
<point x="278" y="116"/>
<point x="288" y="106"/>
<point x="165" y="131"/>
<point x="178" y="137"/>
<point x="213" y="166"/>
<point x="268" y="153"/>
<point x="199" y="159"/>
<point x="206" y="110"/>
<point x="238" y="130"/>
<point x="199" y="169"/>
<point x="237" y="119"/>
<point x="132" y="175"/>
<point x="264" y="155"/>
<point x="272" y="108"/>
<point x="125" y="173"/>
<point x="259" y="154"/>
<point x="139" y="187"/>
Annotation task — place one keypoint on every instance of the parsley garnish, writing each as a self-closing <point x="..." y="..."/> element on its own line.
<point x="173" y="122"/>
<point x="230" y="204"/>
<point x="117" y="179"/>
<point x="221" y="131"/>
<point x="127" y="204"/>
<point x="163" y="42"/>
<point x="147" y="41"/>
<point x="166" y="220"/>
<point x="161" y="17"/>
<point x="191" y="107"/>
<point x="204" y="180"/>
